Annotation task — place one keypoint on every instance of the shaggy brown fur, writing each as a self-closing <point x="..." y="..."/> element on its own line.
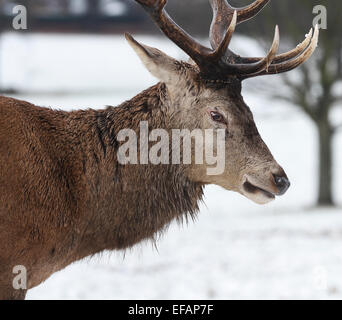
<point x="63" y="195"/>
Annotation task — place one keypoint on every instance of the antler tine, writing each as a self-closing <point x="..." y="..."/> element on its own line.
<point x="222" y="48"/>
<point x="243" y="70"/>
<point x="222" y="17"/>
<point x="294" y="63"/>
<point x="287" y="55"/>
<point x="156" y="8"/>
<point x="251" y="10"/>
<point x="294" y="52"/>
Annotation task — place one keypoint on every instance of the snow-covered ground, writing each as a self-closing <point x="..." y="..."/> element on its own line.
<point x="235" y="249"/>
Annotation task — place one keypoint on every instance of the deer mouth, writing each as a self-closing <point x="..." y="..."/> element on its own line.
<point x="257" y="194"/>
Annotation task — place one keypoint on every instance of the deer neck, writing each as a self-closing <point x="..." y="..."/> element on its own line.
<point x="130" y="203"/>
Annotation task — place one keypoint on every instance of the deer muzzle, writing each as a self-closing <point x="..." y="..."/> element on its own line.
<point x="264" y="188"/>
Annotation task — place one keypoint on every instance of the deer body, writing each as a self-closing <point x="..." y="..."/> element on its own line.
<point x="69" y="197"/>
<point x="64" y="194"/>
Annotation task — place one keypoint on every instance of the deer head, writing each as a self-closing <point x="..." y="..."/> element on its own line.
<point x="206" y="93"/>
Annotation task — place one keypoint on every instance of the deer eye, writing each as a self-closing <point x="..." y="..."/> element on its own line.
<point x="217" y="117"/>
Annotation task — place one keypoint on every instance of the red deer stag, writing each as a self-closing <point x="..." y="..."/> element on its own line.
<point x="63" y="193"/>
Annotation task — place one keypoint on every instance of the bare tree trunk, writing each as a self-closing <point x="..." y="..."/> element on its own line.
<point x="325" y="165"/>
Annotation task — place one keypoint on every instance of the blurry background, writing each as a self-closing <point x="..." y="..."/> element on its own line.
<point x="73" y="55"/>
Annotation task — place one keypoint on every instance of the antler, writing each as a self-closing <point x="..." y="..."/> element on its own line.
<point x="223" y="13"/>
<point x="289" y="60"/>
<point x="182" y="39"/>
<point x="219" y="62"/>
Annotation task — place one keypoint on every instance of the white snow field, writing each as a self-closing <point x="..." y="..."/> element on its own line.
<point x="235" y="249"/>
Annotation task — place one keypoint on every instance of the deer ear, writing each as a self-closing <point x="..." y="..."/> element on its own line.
<point x="159" y="64"/>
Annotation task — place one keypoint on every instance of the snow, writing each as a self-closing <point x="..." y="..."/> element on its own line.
<point x="235" y="249"/>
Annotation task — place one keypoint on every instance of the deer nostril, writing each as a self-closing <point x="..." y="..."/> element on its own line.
<point x="282" y="184"/>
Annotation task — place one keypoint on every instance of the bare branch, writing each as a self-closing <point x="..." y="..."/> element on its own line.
<point x="300" y="95"/>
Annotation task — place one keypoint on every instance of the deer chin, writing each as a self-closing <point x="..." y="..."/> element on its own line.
<point x="257" y="194"/>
